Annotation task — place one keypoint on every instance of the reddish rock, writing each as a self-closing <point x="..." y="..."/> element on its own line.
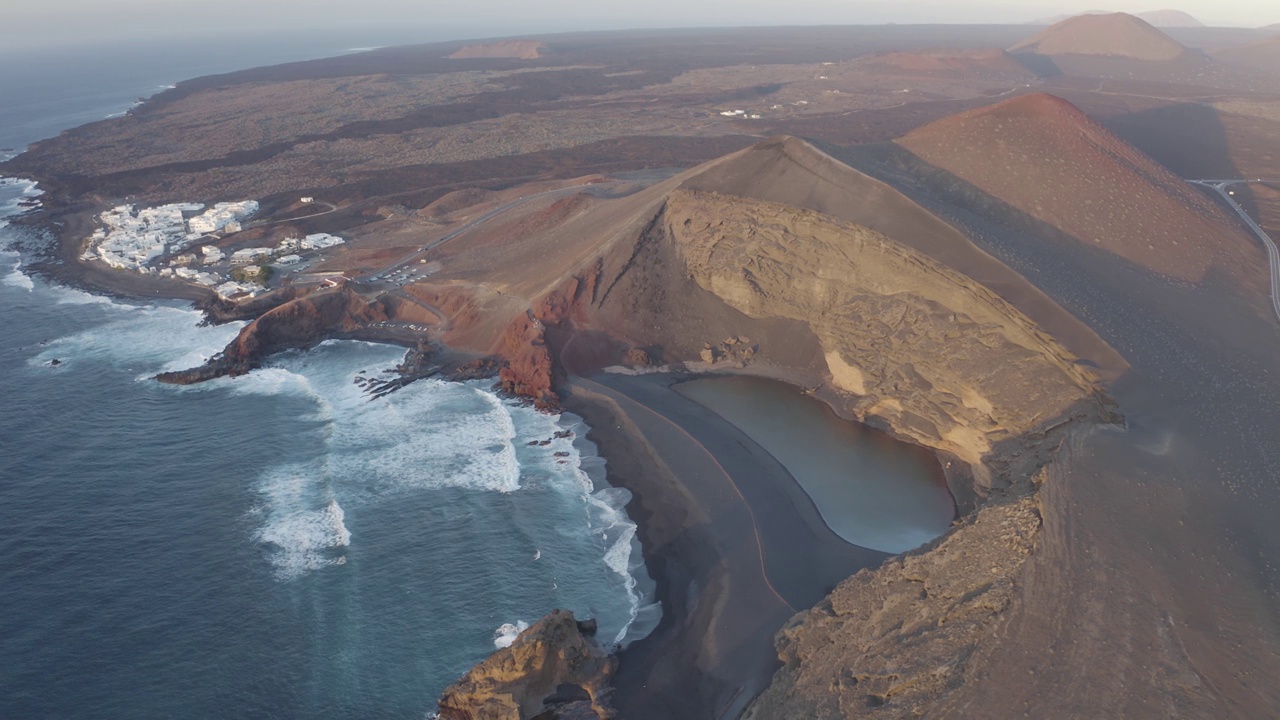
<point x="529" y="370"/>
<point x="297" y="324"/>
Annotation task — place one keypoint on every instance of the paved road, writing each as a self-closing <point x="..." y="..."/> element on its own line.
<point x="1273" y="253"/>
<point x="420" y="252"/>
<point x="332" y="208"/>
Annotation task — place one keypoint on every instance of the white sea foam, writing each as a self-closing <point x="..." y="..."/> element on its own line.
<point x="427" y="436"/>
<point x="146" y="338"/>
<point x="507" y="633"/>
<point x="16" y="190"/>
<point x="301" y="538"/>
<point x="17" y="278"/>
<point x="277" y="381"/>
<point x="573" y="464"/>
<point x="72" y="296"/>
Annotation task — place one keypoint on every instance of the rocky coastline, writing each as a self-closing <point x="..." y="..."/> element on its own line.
<point x="988" y="462"/>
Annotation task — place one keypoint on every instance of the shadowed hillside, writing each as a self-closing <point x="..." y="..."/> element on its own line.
<point x="1263" y="55"/>
<point x="1042" y="155"/>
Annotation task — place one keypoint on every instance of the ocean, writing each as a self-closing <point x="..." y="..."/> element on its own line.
<point x="278" y="545"/>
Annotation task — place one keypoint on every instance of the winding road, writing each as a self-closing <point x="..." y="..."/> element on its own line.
<point x="1273" y="253"/>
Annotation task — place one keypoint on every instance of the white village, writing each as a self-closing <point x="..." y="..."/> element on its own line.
<point x="177" y="241"/>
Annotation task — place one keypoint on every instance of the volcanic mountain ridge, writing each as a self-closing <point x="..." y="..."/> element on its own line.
<point x="1046" y="158"/>
<point x="1157" y="18"/>
<point x="1263" y="55"/>
<point x="1115" y="35"/>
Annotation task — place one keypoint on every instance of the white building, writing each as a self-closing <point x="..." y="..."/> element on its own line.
<point x="212" y="254"/>
<point x="289" y="260"/>
<point x="133" y="239"/>
<point x="232" y="289"/>
<point x="318" y="241"/>
<point x="222" y="215"/>
<point x="248" y="255"/>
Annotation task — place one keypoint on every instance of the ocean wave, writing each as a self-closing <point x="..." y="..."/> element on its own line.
<point x="427" y="437"/>
<point x="13" y="191"/>
<point x="17" y="278"/>
<point x="430" y="434"/>
<point x="507" y="633"/>
<point x="617" y="531"/>
<point x="147" y="338"/>
<point x="302" y="538"/>
<point x="277" y="381"/>
<point x="572" y="463"/>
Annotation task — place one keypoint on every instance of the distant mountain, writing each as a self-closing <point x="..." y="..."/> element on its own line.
<point x="986" y="64"/>
<point x="1044" y="157"/>
<point x="1170" y="19"/>
<point x="1157" y="18"/>
<point x="1262" y="55"/>
<point x="514" y="49"/>
<point x="1114" y="35"/>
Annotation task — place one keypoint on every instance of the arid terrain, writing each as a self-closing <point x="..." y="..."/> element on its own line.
<point x="978" y="239"/>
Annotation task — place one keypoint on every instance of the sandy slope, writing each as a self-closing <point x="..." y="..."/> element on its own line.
<point x="1044" y="157"/>
<point x="1117" y="34"/>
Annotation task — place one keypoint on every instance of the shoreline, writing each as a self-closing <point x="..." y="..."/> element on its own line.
<point x="734" y="544"/>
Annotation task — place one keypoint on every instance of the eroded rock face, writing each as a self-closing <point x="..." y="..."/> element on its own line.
<point x="553" y="670"/>
<point x="938" y="357"/>
<point x="297" y="324"/>
<point x="528" y="372"/>
<point x="889" y="642"/>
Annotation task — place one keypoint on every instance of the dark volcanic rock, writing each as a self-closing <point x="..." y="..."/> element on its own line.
<point x="297" y="324"/>
<point x="552" y="671"/>
<point x="218" y="310"/>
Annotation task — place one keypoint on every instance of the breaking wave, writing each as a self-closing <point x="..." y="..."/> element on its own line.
<point x="15" y="277"/>
<point x="507" y="633"/>
<point x="302" y="539"/>
<point x="146" y="338"/>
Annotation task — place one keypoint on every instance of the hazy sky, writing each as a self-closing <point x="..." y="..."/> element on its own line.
<point x="58" y="22"/>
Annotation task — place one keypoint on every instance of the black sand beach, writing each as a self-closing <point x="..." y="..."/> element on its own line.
<point x="736" y="546"/>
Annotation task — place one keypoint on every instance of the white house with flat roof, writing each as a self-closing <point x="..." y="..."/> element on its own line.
<point x="317" y="241"/>
<point x="248" y="255"/>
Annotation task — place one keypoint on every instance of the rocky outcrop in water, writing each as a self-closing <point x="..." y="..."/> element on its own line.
<point x="553" y="671"/>
<point x="297" y="324"/>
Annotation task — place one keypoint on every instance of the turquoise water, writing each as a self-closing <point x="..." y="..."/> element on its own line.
<point x="870" y="489"/>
